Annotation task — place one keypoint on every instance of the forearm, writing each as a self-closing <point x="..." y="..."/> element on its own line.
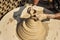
<point x="53" y="16"/>
<point x="57" y="16"/>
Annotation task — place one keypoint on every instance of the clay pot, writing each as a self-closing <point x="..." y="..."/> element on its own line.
<point x="29" y="29"/>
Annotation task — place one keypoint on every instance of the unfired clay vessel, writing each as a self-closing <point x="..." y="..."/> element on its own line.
<point x="31" y="28"/>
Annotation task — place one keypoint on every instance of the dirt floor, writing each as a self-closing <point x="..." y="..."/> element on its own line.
<point x="7" y="5"/>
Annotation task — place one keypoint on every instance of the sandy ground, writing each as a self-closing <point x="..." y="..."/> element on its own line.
<point x="8" y="27"/>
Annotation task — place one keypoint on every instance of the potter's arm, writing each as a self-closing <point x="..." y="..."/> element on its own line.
<point x="54" y="16"/>
<point x="51" y="15"/>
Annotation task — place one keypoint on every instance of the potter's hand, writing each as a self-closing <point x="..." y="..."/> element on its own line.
<point x="38" y="8"/>
<point x="41" y="16"/>
<point x="31" y="11"/>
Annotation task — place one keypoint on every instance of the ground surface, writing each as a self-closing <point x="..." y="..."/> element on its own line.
<point x="7" y="5"/>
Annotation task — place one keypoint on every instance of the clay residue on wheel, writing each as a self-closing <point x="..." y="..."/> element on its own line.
<point x="0" y="32"/>
<point x="10" y="20"/>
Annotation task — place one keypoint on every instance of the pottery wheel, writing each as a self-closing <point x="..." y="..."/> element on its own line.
<point x="8" y="26"/>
